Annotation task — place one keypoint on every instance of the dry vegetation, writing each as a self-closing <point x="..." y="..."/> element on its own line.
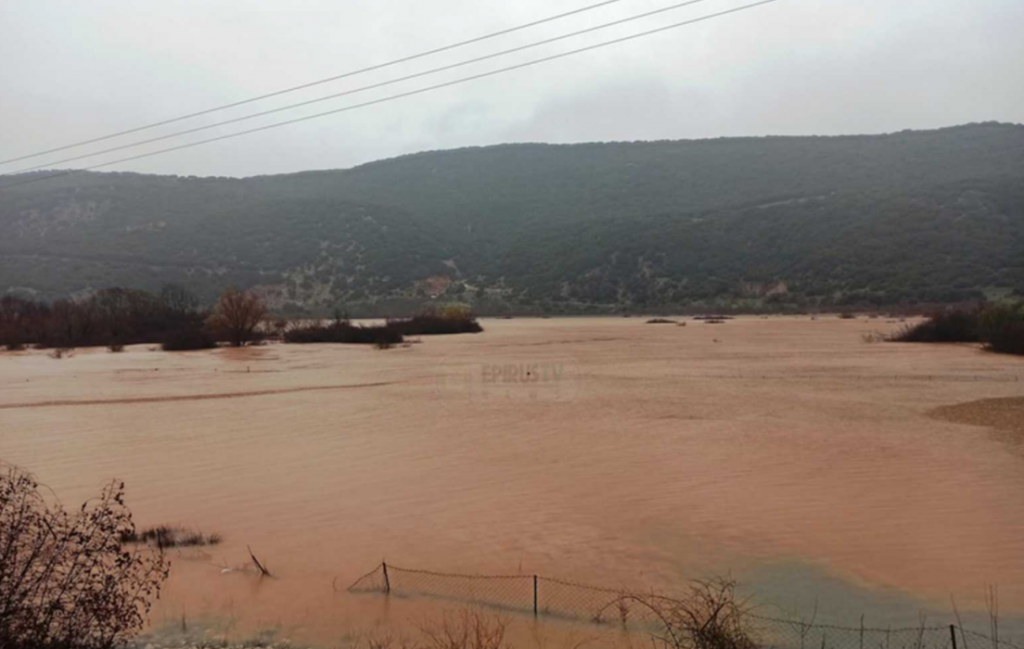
<point x="170" y="536"/>
<point x="66" y="579"/>
<point x="117" y="317"/>
<point x="446" y="320"/>
<point x="709" y="616"/>
<point x="999" y="326"/>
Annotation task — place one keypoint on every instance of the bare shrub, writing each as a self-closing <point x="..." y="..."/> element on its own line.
<point x="710" y="616"/>
<point x="66" y="579"/>
<point x="236" y="316"/>
<point x="115" y="348"/>
<point x="61" y="353"/>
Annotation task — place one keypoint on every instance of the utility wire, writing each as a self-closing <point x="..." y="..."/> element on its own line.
<point x="374" y="86"/>
<point x="402" y="95"/>
<point x="311" y="84"/>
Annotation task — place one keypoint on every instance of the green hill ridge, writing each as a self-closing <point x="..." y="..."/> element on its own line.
<point x="738" y="223"/>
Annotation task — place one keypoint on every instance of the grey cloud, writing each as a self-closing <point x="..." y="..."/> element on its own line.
<point x="72" y="70"/>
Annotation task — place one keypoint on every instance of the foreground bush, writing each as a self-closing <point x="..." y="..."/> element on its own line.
<point x="66" y="579"/>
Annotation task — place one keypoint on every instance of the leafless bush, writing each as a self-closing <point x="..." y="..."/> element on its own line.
<point x="236" y="316"/>
<point x="709" y="617"/>
<point x="66" y="579"/>
<point x="61" y="353"/>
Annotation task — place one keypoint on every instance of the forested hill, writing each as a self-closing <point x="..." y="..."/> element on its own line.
<point x="741" y="223"/>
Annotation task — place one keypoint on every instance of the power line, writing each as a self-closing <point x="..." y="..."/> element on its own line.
<point x="374" y="86"/>
<point x="345" y="75"/>
<point x="401" y="95"/>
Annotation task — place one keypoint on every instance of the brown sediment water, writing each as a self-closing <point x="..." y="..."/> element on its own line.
<point x="599" y="450"/>
<point x="1002" y="414"/>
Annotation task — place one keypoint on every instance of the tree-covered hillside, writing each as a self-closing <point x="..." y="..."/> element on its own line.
<point x="742" y="223"/>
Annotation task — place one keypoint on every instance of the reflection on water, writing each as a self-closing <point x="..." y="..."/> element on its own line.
<point x="789" y="452"/>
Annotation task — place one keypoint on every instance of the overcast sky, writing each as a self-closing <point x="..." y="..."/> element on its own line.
<point x="75" y="69"/>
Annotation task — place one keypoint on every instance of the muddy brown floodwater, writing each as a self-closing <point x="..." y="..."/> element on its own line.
<point x="812" y="465"/>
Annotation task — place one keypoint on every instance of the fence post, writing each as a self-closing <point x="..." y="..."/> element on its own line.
<point x="535" y="597"/>
<point x="387" y="580"/>
<point x="952" y="634"/>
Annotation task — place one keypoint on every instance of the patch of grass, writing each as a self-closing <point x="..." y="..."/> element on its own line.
<point x="661" y="321"/>
<point x="168" y="536"/>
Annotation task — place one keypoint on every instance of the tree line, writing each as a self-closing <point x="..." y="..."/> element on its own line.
<point x="115" y="317"/>
<point x="175" y="318"/>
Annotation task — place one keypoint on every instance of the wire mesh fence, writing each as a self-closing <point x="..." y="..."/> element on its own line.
<point x="634" y="610"/>
<point x="790" y="634"/>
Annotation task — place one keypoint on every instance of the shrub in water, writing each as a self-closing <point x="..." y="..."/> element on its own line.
<point x="1001" y="327"/>
<point x="341" y="331"/>
<point x="452" y="319"/>
<point x="951" y="326"/>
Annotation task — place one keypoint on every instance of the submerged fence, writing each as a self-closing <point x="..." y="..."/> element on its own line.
<point x="569" y="600"/>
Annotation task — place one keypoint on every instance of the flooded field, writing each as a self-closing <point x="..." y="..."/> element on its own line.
<point x="815" y="467"/>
